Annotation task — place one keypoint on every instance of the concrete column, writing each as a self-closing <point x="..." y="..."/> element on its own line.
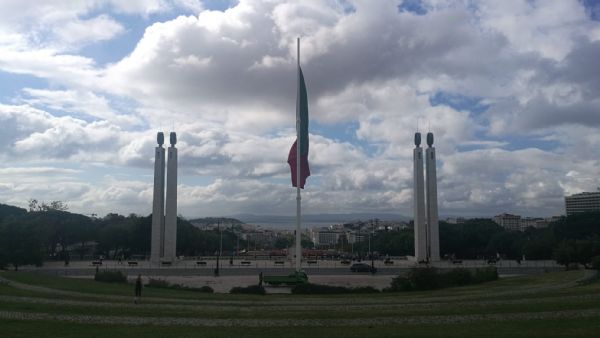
<point x="158" y="219"/>
<point x="432" y="205"/>
<point x="171" y="211"/>
<point x="419" y="202"/>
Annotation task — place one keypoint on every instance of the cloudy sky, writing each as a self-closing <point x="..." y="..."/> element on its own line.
<point x="511" y="90"/>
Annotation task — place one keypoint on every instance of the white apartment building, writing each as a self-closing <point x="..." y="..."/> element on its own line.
<point x="508" y="221"/>
<point x="583" y="202"/>
<point x="325" y="236"/>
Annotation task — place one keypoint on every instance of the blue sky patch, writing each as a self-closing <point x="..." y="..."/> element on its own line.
<point x="592" y="8"/>
<point x="12" y="85"/>
<point x="458" y="102"/>
<point x="412" y="6"/>
<point x="343" y="132"/>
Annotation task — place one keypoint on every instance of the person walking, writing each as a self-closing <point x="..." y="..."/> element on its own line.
<point x="138" y="289"/>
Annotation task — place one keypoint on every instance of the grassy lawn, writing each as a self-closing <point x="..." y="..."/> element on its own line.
<point x="532" y="328"/>
<point x="516" y="295"/>
<point x="92" y="287"/>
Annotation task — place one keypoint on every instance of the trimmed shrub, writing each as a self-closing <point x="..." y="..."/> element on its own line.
<point x="400" y="284"/>
<point x="430" y="279"/>
<point x="205" y="288"/>
<point x="163" y="284"/>
<point x="457" y="277"/>
<point x="424" y="278"/>
<point x="158" y="283"/>
<point x="319" y="289"/>
<point x="485" y="275"/>
<point x="596" y="263"/>
<point x="252" y="289"/>
<point x="110" y="277"/>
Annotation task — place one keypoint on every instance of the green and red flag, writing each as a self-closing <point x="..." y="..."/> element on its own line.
<point x="302" y="138"/>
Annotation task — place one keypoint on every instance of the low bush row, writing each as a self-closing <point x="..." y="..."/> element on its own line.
<point x="417" y="279"/>
<point x="431" y="278"/>
<point x="596" y="263"/>
<point x="108" y="276"/>
<point x="252" y="289"/>
<point x="163" y="284"/>
<point x="318" y="289"/>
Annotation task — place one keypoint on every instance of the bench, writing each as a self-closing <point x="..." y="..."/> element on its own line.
<point x="312" y="262"/>
<point x="388" y="262"/>
<point x="279" y="262"/>
<point x="246" y="262"/>
<point x="96" y="263"/>
<point x="166" y="263"/>
<point x="200" y="263"/>
<point x="131" y="263"/>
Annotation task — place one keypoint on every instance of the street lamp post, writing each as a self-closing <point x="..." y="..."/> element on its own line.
<point x="371" y="252"/>
<point x="231" y="258"/>
<point x="220" y="247"/>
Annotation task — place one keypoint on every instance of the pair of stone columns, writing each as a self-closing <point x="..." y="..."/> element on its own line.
<point x="427" y="238"/>
<point x="164" y="220"/>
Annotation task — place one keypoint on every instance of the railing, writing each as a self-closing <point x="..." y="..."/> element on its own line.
<point x="210" y="263"/>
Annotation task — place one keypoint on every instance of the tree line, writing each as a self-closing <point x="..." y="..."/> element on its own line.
<point x="572" y="239"/>
<point x="48" y="231"/>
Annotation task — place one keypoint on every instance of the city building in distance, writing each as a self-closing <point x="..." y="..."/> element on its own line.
<point x="517" y="223"/>
<point x="508" y="221"/>
<point x="582" y="202"/>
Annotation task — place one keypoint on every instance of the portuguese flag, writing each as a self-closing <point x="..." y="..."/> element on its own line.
<point x="302" y="138"/>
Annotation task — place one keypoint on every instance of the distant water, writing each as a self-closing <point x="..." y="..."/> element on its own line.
<point x="310" y="221"/>
<point x="291" y="225"/>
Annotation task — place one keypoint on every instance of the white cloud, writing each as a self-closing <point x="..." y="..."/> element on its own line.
<point x="226" y="82"/>
<point x="80" y="32"/>
<point x="79" y="102"/>
<point x="546" y="27"/>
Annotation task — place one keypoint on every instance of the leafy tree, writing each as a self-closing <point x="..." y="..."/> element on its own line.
<point x="577" y="251"/>
<point x="306" y="242"/>
<point x="114" y="235"/>
<point x="19" y="244"/>
<point x="395" y="243"/>
<point x="7" y="211"/>
<point x="284" y="241"/>
<point x="467" y="240"/>
<point x="508" y="244"/>
<point x="580" y="225"/>
<point x="540" y="244"/>
<point x="35" y="205"/>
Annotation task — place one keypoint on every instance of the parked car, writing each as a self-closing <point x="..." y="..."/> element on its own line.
<point x="362" y="267"/>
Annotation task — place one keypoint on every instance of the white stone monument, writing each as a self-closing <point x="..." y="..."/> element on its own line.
<point x="419" y="202"/>
<point x="427" y="237"/>
<point x="171" y="207"/>
<point x="433" y="232"/>
<point x="163" y="244"/>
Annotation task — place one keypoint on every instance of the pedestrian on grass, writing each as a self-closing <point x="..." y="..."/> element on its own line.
<point x="138" y="289"/>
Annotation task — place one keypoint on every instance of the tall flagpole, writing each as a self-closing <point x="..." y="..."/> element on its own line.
<point x="298" y="160"/>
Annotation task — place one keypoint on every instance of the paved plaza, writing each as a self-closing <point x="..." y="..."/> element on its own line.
<point x="243" y="271"/>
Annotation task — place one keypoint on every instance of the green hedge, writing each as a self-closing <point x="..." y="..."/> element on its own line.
<point x="163" y="284"/>
<point x="252" y="289"/>
<point x="430" y="278"/>
<point x="318" y="289"/>
<point x="110" y="277"/>
<point x="596" y="263"/>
